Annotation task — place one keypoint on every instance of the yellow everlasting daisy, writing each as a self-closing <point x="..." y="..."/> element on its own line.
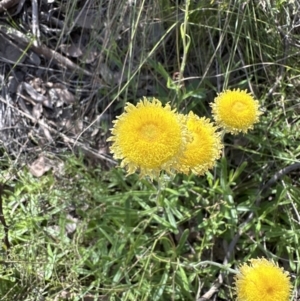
<point x="235" y="110"/>
<point x="262" y="280"/>
<point x="149" y="137"/>
<point x="205" y="148"/>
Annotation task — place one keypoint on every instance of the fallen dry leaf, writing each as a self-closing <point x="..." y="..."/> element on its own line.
<point x="40" y="166"/>
<point x="37" y="111"/>
<point x="72" y="50"/>
<point x="59" y="96"/>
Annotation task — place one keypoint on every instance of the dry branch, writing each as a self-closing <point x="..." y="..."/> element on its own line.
<point x="47" y="52"/>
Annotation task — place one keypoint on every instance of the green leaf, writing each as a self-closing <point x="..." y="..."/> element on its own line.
<point x="238" y="171"/>
<point x="182" y="241"/>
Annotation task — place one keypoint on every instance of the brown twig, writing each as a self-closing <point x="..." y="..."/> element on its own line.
<point x="35" y="23"/>
<point x="47" y="52"/>
<point x="279" y="175"/>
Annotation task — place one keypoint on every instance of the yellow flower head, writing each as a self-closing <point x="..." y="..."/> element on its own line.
<point x="262" y="280"/>
<point x="205" y="148"/>
<point x="149" y="137"/>
<point x="235" y="110"/>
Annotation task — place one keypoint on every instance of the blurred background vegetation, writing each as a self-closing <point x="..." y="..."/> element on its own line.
<point x="73" y="226"/>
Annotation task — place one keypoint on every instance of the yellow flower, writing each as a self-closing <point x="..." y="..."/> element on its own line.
<point x="149" y="137"/>
<point x="236" y="111"/>
<point x="262" y="280"/>
<point x="205" y="148"/>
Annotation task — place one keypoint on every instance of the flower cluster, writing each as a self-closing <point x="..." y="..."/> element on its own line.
<point x="150" y="137"/>
<point x="262" y="280"/>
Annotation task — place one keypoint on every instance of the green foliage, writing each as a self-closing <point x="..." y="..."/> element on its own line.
<point x="134" y="239"/>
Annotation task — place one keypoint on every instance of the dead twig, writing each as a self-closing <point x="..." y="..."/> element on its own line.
<point x="278" y="175"/>
<point x="215" y="287"/>
<point x="47" y="52"/>
<point x="35" y="23"/>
